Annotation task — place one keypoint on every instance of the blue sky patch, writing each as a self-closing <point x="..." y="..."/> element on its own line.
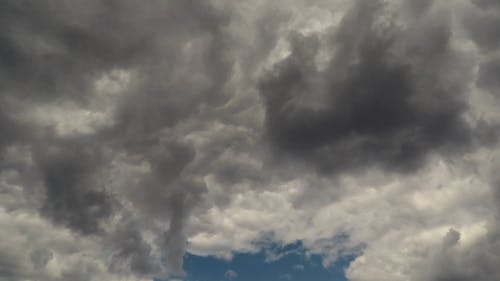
<point x="290" y="264"/>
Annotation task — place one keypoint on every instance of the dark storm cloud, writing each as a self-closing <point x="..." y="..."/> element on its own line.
<point x="132" y="252"/>
<point x="75" y="194"/>
<point x="489" y="72"/>
<point x="487" y="4"/>
<point x="418" y="7"/>
<point x="40" y="257"/>
<point x="187" y="114"/>
<point x="53" y="52"/>
<point x="481" y="25"/>
<point x="53" y="49"/>
<point x="169" y="192"/>
<point x="384" y="99"/>
<point x="45" y="51"/>
<point x="9" y="129"/>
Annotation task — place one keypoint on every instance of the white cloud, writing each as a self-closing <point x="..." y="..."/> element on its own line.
<point x="69" y="256"/>
<point x="399" y="218"/>
<point x="230" y="274"/>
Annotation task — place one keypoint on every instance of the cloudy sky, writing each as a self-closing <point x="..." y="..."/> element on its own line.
<point x="212" y="140"/>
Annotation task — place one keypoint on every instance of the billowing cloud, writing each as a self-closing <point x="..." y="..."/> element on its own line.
<point x="134" y="132"/>
<point x="385" y="96"/>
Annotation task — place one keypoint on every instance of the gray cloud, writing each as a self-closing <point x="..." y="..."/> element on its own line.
<point x="132" y="252"/>
<point x="385" y="97"/>
<point x="476" y="262"/>
<point x="488" y="72"/>
<point x="75" y="193"/>
<point x="128" y="129"/>
<point x="480" y="25"/>
<point x="52" y="54"/>
<point x="473" y="262"/>
<point x="41" y="257"/>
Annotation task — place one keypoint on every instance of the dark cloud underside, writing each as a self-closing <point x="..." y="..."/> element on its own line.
<point x="385" y="97"/>
<point x="53" y="52"/>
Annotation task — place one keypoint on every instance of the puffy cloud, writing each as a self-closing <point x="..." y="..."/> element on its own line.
<point x="230" y="274"/>
<point x="384" y="98"/>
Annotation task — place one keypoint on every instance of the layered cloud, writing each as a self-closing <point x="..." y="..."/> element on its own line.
<point x="134" y="132"/>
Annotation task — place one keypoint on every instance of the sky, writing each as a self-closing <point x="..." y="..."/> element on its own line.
<point x="222" y="140"/>
<point x="293" y="265"/>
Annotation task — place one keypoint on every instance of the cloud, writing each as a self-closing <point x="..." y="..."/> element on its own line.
<point x="480" y="24"/>
<point x="473" y="261"/>
<point x="285" y="276"/>
<point x="383" y="99"/>
<point x="132" y="133"/>
<point x="230" y="274"/>
<point x="84" y="91"/>
<point x="73" y="193"/>
<point x="487" y="71"/>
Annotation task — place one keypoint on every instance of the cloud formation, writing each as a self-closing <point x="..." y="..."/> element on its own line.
<point x="384" y="97"/>
<point x="134" y="132"/>
<point x="230" y="274"/>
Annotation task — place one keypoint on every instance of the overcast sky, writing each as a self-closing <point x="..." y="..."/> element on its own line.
<point x="134" y="134"/>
